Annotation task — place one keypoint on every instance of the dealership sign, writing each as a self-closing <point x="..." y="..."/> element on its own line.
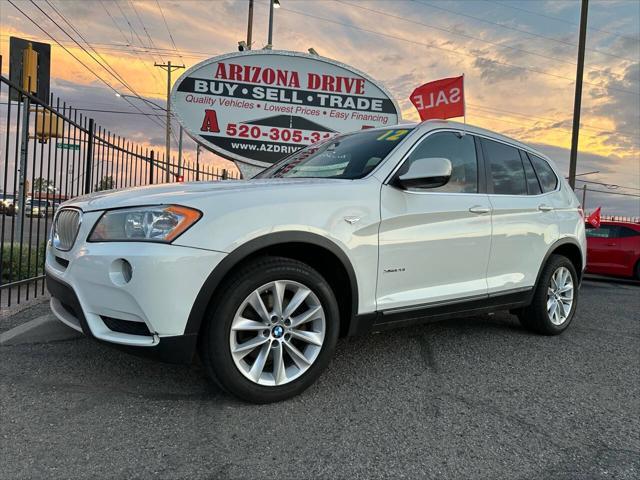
<point x="259" y="106"/>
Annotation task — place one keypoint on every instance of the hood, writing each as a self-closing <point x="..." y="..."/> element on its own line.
<point x="185" y="193"/>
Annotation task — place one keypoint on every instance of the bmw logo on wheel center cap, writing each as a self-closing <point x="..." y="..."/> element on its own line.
<point x="277" y="331"/>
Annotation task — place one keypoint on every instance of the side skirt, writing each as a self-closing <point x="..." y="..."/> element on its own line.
<point x="434" y="312"/>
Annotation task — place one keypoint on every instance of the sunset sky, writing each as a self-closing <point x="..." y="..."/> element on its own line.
<point x="518" y="58"/>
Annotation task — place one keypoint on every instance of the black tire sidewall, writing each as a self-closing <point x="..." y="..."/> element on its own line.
<point x="217" y="353"/>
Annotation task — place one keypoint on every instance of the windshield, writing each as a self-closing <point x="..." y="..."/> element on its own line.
<point x="348" y="156"/>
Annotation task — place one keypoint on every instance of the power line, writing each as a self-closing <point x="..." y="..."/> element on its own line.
<point x="133" y="30"/>
<point x="70" y="53"/>
<point x="465" y="35"/>
<point x="582" y="125"/>
<point x="612" y="186"/>
<point x="113" y="20"/>
<point x="518" y="124"/>
<point x="449" y="50"/>
<point x="116" y="76"/>
<point x="129" y="47"/>
<point x="630" y="37"/>
<point x="168" y="29"/>
<point x="613" y="193"/>
<point x="114" y="72"/>
<point x="508" y="27"/>
<point x="115" y="23"/>
<point x="144" y="27"/>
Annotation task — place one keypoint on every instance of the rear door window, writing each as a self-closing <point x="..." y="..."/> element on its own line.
<point x="547" y="177"/>
<point x="505" y="166"/>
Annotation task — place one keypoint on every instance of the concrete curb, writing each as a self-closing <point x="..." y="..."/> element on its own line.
<point x="43" y="329"/>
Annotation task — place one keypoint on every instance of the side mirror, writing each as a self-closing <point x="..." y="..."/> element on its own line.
<point x="426" y="173"/>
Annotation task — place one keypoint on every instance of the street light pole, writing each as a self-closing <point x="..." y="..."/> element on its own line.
<point x="250" y="25"/>
<point x="272" y="4"/>
<point x="153" y="104"/>
<point x="573" y="159"/>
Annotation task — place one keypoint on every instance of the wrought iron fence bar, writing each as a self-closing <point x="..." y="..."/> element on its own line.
<point x="95" y="158"/>
<point x="32" y="98"/>
<point x="18" y="283"/>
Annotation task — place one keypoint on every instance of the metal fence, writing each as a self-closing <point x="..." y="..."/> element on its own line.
<point x="51" y="153"/>
<point x="620" y="218"/>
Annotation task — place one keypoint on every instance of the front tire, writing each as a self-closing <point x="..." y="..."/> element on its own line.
<point x="271" y="330"/>
<point x="554" y="300"/>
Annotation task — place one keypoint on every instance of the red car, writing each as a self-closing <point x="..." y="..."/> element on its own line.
<point x="614" y="249"/>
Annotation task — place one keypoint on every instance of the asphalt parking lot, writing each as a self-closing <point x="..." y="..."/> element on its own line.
<point x="473" y="398"/>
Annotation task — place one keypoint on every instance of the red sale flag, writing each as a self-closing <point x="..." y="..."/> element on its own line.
<point x="594" y="218"/>
<point x="440" y="99"/>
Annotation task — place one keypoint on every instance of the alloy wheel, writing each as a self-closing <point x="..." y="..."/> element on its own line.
<point x="560" y="296"/>
<point x="277" y="333"/>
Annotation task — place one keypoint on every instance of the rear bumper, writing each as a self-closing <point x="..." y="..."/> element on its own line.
<point x="66" y="306"/>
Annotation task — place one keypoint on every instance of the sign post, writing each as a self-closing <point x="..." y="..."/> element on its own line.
<point x="257" y="107"/>
<point x="22" y="174"/>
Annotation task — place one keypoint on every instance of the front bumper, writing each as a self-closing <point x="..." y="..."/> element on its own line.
<point x="66" y="306"/>
<point x="88" y="292"/>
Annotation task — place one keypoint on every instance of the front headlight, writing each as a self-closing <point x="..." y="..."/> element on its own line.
<point x="162" y="223"/>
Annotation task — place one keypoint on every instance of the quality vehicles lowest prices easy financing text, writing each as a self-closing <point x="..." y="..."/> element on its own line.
<point x="361" y="232"/>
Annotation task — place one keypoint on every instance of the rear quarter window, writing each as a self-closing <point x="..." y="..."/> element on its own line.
<point x="533" y="187"/>
<point x="546" y="175"/>
<point x="627" y="232"/>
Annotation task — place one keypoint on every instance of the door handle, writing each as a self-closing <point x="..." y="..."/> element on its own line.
<point x="479" y="209"/>
<point x="545" y="208"/>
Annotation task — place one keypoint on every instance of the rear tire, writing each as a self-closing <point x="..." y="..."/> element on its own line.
<point x="288" y="356"/>
<point x="555" y="298"/>
<point x="637" y="270"/>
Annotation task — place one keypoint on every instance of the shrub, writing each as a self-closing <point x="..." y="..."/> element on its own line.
<point x="21" y="266"/>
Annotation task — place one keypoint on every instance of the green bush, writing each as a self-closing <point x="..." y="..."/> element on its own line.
<point x="19" y="265"/>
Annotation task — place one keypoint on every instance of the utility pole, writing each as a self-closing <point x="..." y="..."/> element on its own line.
<point x="180" y="152"/>
<point x="573" y="159"/>
<point x="250" y="25"/>
<point x="584" y="197"/>
<point x="169" y="68"/>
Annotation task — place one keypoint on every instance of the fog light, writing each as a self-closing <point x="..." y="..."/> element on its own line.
<point x="120" y="272"/>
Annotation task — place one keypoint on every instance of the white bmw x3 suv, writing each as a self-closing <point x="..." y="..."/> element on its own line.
<point x="363" y="232"/>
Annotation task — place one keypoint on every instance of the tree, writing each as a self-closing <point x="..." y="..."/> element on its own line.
<point x="105" y="184"/>
<point x="43" y="185"/>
